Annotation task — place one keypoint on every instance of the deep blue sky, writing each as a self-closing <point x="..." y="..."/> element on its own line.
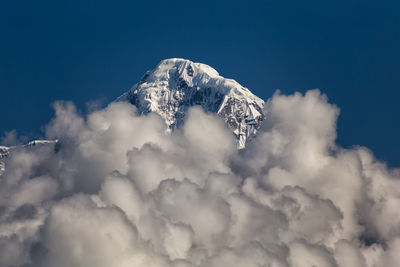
<point x="90" y="50"/>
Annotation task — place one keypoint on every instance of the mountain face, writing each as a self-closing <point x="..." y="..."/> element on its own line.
<point x="175" y="85"/>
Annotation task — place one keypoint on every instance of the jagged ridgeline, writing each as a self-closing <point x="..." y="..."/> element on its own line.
<point x="176" y="84"/>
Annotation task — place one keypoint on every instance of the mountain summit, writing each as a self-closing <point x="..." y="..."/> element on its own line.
<point x="177" y="84"/>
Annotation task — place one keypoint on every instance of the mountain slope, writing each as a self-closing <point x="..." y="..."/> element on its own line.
<point x="177" y="84"/>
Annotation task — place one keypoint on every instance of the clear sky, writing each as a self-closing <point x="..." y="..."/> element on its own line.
<point x="95" y="50"/>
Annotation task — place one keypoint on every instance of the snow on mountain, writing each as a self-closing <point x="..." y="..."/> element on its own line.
<point x="6" y="152"/>
<point x="177" y="84"/>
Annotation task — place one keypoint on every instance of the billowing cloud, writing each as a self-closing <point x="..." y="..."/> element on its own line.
<point x="122" y="190"/>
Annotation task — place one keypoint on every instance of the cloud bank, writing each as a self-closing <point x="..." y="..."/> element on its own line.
<point x="121" y="191"/>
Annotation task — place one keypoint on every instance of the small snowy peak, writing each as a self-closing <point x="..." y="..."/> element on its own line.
<point x="177" y="84"/>
<point x="41" y="143"/>
<point x="6" y="152"/>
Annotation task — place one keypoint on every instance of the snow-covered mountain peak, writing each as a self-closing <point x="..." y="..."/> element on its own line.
<point x="177" y="84"/>
<point x="182" y="68"/>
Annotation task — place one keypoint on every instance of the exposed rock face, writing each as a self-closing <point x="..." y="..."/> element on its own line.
<point x="177" y="84"/>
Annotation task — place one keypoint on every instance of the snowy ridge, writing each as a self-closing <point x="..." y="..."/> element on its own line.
<point x="5" y="151"/>
<point x="177" y="84"/>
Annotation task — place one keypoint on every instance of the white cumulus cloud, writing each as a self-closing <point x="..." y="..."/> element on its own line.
<point x="121" y="190"/>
